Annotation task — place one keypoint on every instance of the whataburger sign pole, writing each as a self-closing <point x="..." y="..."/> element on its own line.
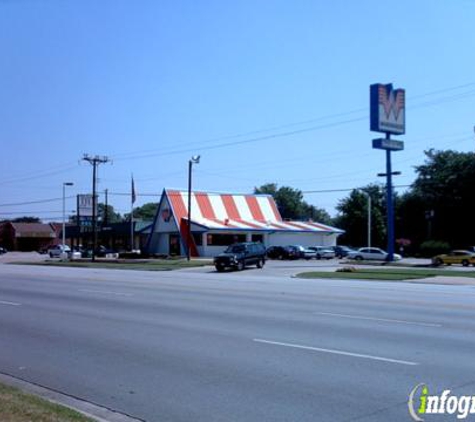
<point x="388" y="116"/>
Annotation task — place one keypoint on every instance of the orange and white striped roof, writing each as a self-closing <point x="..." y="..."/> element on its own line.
<point x="237" y="212"/>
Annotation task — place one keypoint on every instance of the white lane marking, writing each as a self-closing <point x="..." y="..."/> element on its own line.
<point x="337" y="352"/>
<point x="395" y="321"/>
<point x="2" y="302"/>
<point x="105" y="292"/>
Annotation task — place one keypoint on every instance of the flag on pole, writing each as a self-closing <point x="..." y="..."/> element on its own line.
<point x="134" y="197"/>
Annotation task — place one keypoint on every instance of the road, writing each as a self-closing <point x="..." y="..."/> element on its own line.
<point x="196" y="345"/>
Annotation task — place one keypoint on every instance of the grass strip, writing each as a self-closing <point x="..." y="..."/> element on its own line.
<point x="156" y="265"/>
<point x="387" y="274"/>
<point x="16" y="406"/>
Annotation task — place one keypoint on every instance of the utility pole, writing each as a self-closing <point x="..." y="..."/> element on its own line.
<point x="94" y="161"/>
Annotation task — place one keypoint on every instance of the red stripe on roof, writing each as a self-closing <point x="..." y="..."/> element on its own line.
<point x="296" y="224"/>
<point x="230" y="206"/>
<point x="205" y="206"/>
<point x="177" y="204"/>
<point x="278" y="226"/>
<point x="247" y="223"/>
<point x="255" y="208"/>
<point x="226" y="223"/>
<point x="277" y="215"/>
<point x="311" y="223"/>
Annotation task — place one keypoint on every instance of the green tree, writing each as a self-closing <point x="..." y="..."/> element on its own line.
<point x="146" y="212"/>
<point x="353" y="216"/>
<point x="107" y="214"/>
<point x="26" y="219"/>
<point x="441" y="203"/>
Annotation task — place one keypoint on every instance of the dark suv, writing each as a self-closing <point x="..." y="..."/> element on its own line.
<point x="239" y="255"/>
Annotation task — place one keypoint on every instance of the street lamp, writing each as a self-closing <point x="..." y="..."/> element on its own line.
<point x="64" y="212"/>
<point x="368" y="196"/>
<point x="195" y="159"/>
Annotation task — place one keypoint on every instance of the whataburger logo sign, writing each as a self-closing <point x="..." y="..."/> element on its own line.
<point x="387" y="106"/>
<point x="421" y="403"/>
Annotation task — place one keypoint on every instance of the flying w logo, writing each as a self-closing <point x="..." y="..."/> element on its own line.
<point x="391" y="100"/>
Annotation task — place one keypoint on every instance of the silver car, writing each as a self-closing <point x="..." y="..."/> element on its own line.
<point x="58" y="250"/>
<point x="323" y="252"/>
<point x="376" y="254"/>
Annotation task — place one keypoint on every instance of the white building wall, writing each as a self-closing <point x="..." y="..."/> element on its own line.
<point x="304" y="239"/>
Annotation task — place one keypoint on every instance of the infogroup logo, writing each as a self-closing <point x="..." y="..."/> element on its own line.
<point x="420" y="403"/>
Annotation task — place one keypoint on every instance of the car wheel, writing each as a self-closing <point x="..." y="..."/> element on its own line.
<point x="260" y="263"/>
<point x="318" y="257"/>
<point x="359" y="258"/>
<point x="438" y="262"/>
<point x="465" y="263"/>
<point x="219" y="268"/>
<point x="240" y="266"/>
<point x="280" y="257"/>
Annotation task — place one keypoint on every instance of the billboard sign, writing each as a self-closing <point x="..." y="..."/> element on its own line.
<point x="388" y="109"/>
<point x="85" y="204"/>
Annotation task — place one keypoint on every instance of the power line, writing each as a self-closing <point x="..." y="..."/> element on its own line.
<point x="41" y="201"/>
<point x="346" y="189"/>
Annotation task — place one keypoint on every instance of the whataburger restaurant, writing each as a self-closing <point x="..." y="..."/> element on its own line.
<point x="220" y="219"/>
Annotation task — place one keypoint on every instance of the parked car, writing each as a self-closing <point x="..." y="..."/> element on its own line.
<point x="303" y="252"/>
<point x="323" y="252"/>
<point x="57" y="251"/>
<point x="239" y="255"/>
<point x="282" y="252"/>
<point x="105" y="252"/>
<point x="342" y="251"/>
<point x="2" y="250"/>
<point x="460" y="256"/>
<point x="371" y="254"/>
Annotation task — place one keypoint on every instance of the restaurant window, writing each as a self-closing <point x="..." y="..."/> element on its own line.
<point x="198" y="238"/>
<point x="225" y="239"/>
<point x="258" y="238"/>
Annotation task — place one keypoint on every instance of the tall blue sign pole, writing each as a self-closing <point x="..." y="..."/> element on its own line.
<point x="388" y="116"/>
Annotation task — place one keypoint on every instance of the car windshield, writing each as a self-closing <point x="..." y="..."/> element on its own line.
<point x="235" y="249"/>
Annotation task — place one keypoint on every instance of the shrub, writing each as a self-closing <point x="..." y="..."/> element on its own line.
<point x="346" y="270"/>
<point x="430" y="248"/>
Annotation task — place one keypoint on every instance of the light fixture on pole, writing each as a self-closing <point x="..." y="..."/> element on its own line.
<point x="64" y="212"/>
<point x="195" y="159"/>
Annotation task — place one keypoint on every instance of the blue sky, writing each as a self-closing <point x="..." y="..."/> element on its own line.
<point x="265" y="91"/>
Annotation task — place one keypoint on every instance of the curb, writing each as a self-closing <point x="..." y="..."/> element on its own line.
<point x="88" y="409"/>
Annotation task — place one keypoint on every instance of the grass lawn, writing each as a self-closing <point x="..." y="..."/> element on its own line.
<point x="387" y="274"/>
<point x="16" y="406"/>
<point x="149" y="265"/>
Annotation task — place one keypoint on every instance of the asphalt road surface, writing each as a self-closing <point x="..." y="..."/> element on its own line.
<point x="202" y="346"/>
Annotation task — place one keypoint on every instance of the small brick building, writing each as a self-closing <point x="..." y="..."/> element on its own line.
<point x="28" y="236"/>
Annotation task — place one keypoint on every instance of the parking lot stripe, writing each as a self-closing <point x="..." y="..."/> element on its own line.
<point x="336" y="352"/>
<point x="105" y="292"/>
<point x="394" y="321"/>
<point x="3" y="302"/>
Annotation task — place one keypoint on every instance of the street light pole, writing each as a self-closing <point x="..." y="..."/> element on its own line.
<point x="368" y="196"/>
<point x="195" y="159"/>
<point x="64" y="210"/>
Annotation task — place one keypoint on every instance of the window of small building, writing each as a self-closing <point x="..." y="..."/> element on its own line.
<point x="225" y="239"/>
<point x="258" y="238"/>
<point x="198" y="237"/>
